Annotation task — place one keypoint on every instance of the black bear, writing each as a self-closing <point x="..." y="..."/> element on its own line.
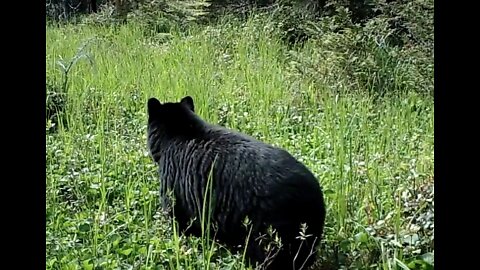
<point x="250" y="180"/>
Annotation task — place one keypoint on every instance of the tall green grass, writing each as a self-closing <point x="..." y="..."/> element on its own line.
<point x="102" y="199"/>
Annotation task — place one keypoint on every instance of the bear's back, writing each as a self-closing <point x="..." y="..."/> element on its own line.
<point x="248" y="159"/>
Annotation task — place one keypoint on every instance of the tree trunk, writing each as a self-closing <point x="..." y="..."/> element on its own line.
<point x="93" y="5"/>
<point x="121" y="10"/>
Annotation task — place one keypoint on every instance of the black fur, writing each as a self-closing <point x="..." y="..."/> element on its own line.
<point x="249" y="179"/>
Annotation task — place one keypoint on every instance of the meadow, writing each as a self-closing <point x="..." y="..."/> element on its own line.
<point x="373" y="153"/>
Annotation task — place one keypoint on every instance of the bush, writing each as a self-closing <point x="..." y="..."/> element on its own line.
<point x="377" y="56"/>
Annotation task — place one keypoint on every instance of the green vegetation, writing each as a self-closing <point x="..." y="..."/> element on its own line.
<point x="352" y="103"/>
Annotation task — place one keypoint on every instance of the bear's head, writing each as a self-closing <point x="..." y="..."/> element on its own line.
<point x="172" y="119"/>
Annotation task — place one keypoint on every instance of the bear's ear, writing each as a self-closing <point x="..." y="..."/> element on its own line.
<point x="188" y="101"/>
<point x="153" y="106"/>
